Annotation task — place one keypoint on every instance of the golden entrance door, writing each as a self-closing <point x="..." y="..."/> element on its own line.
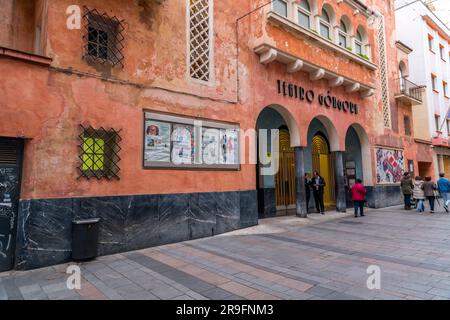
<point x="285" y="178"/>
<point x="323" y="162"/>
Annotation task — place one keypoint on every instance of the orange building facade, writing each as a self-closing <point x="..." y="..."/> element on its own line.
<point x="143" y="114"/>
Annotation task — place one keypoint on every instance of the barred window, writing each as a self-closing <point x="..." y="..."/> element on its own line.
<point x="99" y="153"/>
<point x="407" y="125"/>
<point x="200" y="30"/>
<point x="103" y="38"/>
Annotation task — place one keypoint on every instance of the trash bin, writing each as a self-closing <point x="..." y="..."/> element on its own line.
<point x="85" y="239"/>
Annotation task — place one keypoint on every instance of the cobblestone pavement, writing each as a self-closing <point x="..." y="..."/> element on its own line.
<point x="323" y="257"/>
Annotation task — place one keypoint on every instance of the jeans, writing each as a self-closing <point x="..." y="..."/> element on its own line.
<point x="407" y="198"/>
<point x="431" y="201"/>
<point x="420" y="205"/>
<point x="446" y="198"/>
<point x="359" y="204"/>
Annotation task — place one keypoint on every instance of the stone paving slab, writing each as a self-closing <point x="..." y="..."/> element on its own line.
<point x="319" y="258"/>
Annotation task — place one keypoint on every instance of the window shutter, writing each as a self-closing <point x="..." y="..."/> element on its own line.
<point x="8" y="153"/>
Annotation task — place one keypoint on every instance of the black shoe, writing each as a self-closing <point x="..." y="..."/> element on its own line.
<point x="362" y="215"/>
<point x="323" y="212"/>
<point x="356" y="216"/>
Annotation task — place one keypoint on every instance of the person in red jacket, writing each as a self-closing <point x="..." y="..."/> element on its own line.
<point x="359" y="197"/>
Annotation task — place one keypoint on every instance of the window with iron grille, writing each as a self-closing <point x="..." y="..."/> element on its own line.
<point x="99" y="153"/>
<point x="200" y="30"/>
<point x="103" y="38"/>
<point x="407" y="125"/>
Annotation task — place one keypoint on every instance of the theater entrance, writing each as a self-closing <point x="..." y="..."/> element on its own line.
<point x="323" y="163"/>
<point x="285" y="191"/>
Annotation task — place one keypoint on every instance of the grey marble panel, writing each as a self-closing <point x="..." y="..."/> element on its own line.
<point x="266" y="203"/>
<point x="383" y="196"/>
<point x="112" y="212"/>
<point x="142" y="222"/>
<point x="248" y="208"/>
<point x="173" y="217"/>
<point x="202" y="215"/>
<point x="228" y="211"/>
<point x="44" y="234"/>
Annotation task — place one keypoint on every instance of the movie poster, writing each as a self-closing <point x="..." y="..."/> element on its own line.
<point x="229" y="146"/>
<point x="210" y="145"/>
<point x="183" y="150"/>
<point x="157" y="141"/>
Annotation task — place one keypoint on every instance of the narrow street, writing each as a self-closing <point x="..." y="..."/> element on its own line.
<point x="324" y="257"/>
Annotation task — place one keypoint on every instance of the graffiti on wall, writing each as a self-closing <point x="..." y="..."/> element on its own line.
<point x="390" y="165"/>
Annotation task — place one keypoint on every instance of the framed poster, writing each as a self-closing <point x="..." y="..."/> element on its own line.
<point x="183" y="148"/>
<point x="228" y="146"/>
<point x="350" y="164"/>
<point x="210" y="145"/>
<point x="351" y="172"/>
<point x="179" y="142"/>
<point x="157" y="141"/>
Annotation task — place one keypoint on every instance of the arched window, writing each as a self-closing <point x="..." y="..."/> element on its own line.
<point x="402" y="72"/>
<point x="343" y="33"/>
<point x="304" y="14"/>
<point x="325" y="24"/>
<point x="280" y="7"/>
<point x="360" y="41"/>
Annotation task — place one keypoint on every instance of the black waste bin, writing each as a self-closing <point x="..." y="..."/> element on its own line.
<point x="85" y="239"/>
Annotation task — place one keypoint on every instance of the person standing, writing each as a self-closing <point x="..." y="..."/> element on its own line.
<point x="359" y="197"/>
<point x="307" y="191"/>
<point x="407" y="189"/>
<point x="318" y="185"/>
<point x="428" y="189"/>
<point x="444" y="189"/>
<point x="418" y="194"/>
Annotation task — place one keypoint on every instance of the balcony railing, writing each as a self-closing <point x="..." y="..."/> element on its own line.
<point x="404" y="87"/>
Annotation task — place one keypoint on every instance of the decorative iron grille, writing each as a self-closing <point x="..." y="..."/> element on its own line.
<point x="104" y="40"/>
<point x="99" y="153"/>
<point x="384" y="72"/>
<point x="199" y="44"/>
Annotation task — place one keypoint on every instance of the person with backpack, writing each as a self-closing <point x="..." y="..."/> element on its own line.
<point x="407" y="189"/>
<point x="428" y="189"/>
<point x="419" y="194"/>
<point x="444" y="189"/>
<point x="359" y="197"/>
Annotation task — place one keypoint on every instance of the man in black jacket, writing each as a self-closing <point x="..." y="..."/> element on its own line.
<point x="318" y="185"/>
<point x="308" y="182"/>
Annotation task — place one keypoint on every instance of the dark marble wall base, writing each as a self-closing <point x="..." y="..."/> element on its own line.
<point x="384" y="196"/>
<point x="127" y="223"/>
<point x="266" y="203"/>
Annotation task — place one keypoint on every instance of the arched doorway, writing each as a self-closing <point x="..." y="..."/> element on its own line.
<point x="357" y="156"/>
<point x="285" y="190"/>
<point x="277" y="190"/>
<point x="320" y="156"/>
<point x="322" y="163"/>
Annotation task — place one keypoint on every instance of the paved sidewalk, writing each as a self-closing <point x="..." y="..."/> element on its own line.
<point x="322" y="257"/>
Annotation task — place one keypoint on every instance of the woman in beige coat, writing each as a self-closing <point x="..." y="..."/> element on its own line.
<point x="419" y="194"/>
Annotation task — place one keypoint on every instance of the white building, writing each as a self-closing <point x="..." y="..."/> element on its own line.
<point x="429" y="64"/>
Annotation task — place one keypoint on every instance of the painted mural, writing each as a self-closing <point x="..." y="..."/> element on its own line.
<point x="390" y="165"/>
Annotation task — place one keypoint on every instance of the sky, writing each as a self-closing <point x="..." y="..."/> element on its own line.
<point x="443" y="10"/>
